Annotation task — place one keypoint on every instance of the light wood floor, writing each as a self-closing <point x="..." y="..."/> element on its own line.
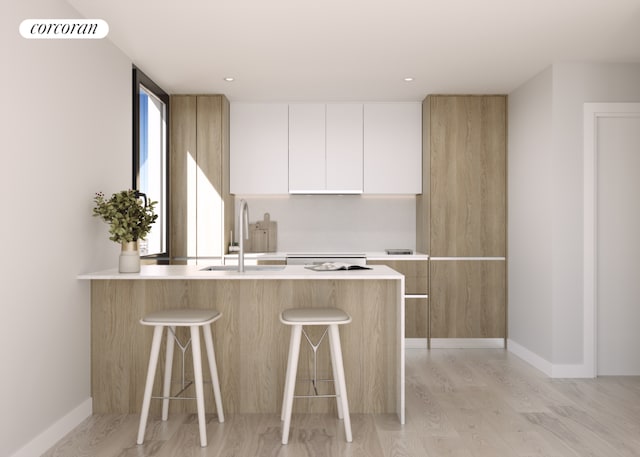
<point x="460" y="402"/>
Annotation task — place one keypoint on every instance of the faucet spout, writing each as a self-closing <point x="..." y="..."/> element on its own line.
<point x="244" y="232"/>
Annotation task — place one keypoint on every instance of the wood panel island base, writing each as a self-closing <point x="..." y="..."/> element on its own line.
<point x="250" y="342"/>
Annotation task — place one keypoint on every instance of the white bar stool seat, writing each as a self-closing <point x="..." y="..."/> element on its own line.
<point x="331" y="318"/>
<point x="173" y="318"/>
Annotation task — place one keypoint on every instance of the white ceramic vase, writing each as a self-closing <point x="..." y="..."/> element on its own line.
<point x="129" y="258"/>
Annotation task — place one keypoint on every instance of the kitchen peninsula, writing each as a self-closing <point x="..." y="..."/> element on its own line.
<point x="250" y="342"/>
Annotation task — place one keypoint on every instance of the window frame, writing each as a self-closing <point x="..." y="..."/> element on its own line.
<point x="138" y="79"/>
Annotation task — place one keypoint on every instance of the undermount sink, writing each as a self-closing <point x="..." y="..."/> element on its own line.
<point x="246" y="267"/>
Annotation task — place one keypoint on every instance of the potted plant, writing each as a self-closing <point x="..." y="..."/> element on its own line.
<point x="130" y="217"/>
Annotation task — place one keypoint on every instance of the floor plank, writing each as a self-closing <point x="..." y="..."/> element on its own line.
<point x="460" y="403"/>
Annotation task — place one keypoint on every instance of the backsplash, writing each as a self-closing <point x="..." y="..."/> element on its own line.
<point x="338" y="222"/>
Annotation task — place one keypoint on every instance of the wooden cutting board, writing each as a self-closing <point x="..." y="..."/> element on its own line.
<point x="263" y="235"/>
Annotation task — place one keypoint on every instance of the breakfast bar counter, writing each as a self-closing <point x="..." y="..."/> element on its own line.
<point x="250" y="342"/>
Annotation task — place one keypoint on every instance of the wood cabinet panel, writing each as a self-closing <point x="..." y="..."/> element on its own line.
<point x="467" y="298"/>
<point x="209" y="203"/>
<point x="416" y="282"/>
<point x="416" y="274"/>
<point x="250" y="342"/>
<point x="468" y="176"/>
<point x="271" y="262"/>
<point x="201" y="205"/>
<point x="423" y="200"/>
<point x="182" y="160"/>
<point x="416" y="317"/>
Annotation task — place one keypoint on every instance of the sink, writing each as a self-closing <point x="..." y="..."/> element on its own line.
<point x="246" y="267"/>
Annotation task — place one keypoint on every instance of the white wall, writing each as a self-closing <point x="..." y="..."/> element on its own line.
<point x="572" y="84"/>
<point x="530" y="228"/>
<point x="575" y="84"/>
<point x="66" y="133"/>
<point x="338" y="223"/>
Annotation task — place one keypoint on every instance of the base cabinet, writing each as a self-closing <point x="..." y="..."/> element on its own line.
<point x="416" y="285"/>
<point x="467" y="299"/>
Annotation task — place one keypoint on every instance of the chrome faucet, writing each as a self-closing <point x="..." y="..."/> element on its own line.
<point x="244" y="232"/>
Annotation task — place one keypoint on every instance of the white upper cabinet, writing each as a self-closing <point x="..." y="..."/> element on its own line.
<point x="325" y="148"/>
<point x="258" y="144"/>
<point x="393" y="148"/>
<point x="279" y="148"/>
<point x="307" y="169"/>
<point x="344" y="147"/>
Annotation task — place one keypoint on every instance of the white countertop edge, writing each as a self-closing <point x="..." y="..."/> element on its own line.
<point x="167" y="272"/>
<point x="374" y="255"/>
<point x="384" y="256"/>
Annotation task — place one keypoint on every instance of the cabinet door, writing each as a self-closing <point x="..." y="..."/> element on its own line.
<point x="416" y="317"/>
<point x="467" y="299"/>
<point x="344" y="144"/>
<point x="416" y="282"/>
<point x="199" y="176"/>
<point x="307" y="170"/>
<point x="468" y="176"/>
<point x="209" y="177"/>
<point x="392" y="148"/>
<point x="259" y="148"/>
<point x="182" y="172"/>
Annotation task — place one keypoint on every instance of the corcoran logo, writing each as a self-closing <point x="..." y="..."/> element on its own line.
<point x="64" y="29"/>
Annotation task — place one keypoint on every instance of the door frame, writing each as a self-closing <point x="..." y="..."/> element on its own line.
<point x="592" y="113"/>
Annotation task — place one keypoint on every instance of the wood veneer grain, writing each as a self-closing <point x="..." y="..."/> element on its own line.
<point x="251" y="344"/>
<point x="202" y="207"/>
<point x="468" y="176"/>
<point x="467" y="298"/>
<point x="416" y="279"/>
<point x="183" y="150"/>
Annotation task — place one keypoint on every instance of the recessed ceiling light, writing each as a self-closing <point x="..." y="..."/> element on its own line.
<point x="229" y="79"/>
<point x="408" y="79"/>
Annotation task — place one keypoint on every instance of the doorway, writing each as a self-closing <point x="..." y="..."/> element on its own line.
<point x="612" y="249"/>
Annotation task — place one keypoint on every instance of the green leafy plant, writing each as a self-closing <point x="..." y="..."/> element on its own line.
<point x="128" y="215"/>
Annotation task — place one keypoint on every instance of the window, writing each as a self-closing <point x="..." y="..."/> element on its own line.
<point x="150" y="157"/>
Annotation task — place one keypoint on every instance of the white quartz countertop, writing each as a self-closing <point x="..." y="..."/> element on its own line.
<point x="370" y="255"/>
<point x="196" y="272"/>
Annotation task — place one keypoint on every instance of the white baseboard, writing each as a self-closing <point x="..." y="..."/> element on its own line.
<point x="45" y="440"/>
<point x="454" y="343"/>
<point x="531" y="358"/>
<point x="467" y="343"/>
<point x="415" y="343"/>
<point x="548" y="368"/>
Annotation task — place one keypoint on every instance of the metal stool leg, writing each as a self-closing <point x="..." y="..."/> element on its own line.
<point x="290" y="382"/>
<point x="168" y="366"/>
<point x="213" y="369"/>
<point x="334" y="336"/>
<point x="197" y="374"/>
<point x="151" y="373"/>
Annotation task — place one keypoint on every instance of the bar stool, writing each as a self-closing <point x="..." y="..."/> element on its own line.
<point x="194" y="319"/>
<point x="331" y="318"/>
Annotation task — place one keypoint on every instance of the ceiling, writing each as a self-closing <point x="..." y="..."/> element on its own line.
<point x="343" y="50"/>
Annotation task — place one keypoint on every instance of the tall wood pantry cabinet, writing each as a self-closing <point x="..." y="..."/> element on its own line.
<point x="461" y="215"/>
<point x="201" y="206"/>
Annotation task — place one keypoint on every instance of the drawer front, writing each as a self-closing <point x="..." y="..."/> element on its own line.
<point x="416" y="274"/>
